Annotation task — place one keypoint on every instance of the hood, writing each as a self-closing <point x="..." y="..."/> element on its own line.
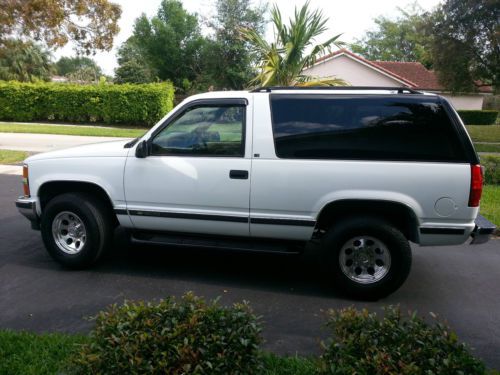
<point x="101" y="149"/>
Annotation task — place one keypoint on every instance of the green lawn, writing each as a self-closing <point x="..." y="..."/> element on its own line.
<point x="487" y="147"/>
<point x="11" y="157"/>
<point x="71" y="130"/>
<point x="28" y="353"/>
<point x="490" y="203"/>
<point x="484" y="133"/>
<point x="33" y="354"/>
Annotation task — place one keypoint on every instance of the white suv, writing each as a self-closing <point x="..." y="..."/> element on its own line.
<point x="361" y="170"/>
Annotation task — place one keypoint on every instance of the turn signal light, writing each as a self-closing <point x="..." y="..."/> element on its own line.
<point x="476" y="185"/>
<point x="26" y="185"/>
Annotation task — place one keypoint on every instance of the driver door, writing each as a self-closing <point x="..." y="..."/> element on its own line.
<point x="196" y="178"/>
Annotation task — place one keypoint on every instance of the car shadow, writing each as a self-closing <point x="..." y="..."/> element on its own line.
<point x="284" y="273"/>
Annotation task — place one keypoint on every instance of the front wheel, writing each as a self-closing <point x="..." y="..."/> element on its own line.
<point x="76" y="229"/>
<point x="366" y="258"/>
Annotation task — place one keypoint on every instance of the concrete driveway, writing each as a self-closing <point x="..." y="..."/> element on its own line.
<point x="461" y="283"/>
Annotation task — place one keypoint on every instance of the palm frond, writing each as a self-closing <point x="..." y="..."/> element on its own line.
<point x="282" y="62"/>
<point x="311" y="81"/>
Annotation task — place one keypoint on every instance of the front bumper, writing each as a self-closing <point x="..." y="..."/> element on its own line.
<point x="483" y="230"/>
<point x="27" y="207"/>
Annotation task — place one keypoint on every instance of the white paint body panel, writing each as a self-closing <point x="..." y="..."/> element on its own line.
<point x="276" y="188"/>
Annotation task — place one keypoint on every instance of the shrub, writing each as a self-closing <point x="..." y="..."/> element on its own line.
<point x="491" y="164"/>
<point x="477" y="117"/>
<point x="186" y="336"/>
<point x="365" y="344"/>
<point x="113" y="104"/>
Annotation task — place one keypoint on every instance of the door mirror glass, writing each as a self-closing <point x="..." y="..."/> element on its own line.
<point x="141" y="151"/>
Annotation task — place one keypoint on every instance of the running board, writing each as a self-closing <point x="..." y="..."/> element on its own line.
<point x="216" y="242"/>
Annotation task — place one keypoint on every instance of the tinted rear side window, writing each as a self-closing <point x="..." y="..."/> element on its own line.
<point x="367" y="128"/>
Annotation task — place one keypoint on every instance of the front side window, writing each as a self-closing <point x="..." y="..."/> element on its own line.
<point x="204" y="131"/>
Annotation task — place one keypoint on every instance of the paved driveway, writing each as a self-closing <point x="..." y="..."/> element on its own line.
<point x="461" y="283"/>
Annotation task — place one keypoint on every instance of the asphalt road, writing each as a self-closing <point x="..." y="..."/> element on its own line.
<point x="461" y="284"/>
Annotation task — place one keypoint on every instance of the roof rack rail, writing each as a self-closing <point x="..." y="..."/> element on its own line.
<point x="400" y="90"/>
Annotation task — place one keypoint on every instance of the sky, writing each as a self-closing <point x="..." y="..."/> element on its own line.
<point x="351" y="18"/>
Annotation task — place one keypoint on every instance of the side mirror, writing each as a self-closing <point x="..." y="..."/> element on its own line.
<point x="141" y="151"/>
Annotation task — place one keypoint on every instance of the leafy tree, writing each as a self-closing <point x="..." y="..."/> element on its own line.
<point x="401" y="39"/>
<point x="169" y="42"/>
<point x="132" y="71"/>
<point x="228" y="56"/>
<point x="282" y="61"/>
<point x="85" y="74"/>
<point x="133" y="66"/>
<point x="465" y="44"/>
<point x="90" y="24"/>
<point x="24" y="61"/>
<point x="69" y="65"/>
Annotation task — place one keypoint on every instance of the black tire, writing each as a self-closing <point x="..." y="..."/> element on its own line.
<point x="97" y="222"/>
<point x="396" y="243"/>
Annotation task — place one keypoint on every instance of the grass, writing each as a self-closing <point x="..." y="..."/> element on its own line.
<point x="490" y="203"/>
<point x="11" y="157"/>
<point x="487" y="147"/>
<point x="276" y="365"/>
<point x="107" y="131"/>
<point x="484" y="133"/>
<point x="42" y="354"/>
<point x="28" y="353"/>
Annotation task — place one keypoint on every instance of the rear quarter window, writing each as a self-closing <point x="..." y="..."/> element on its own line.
<point x="364" y="128"/>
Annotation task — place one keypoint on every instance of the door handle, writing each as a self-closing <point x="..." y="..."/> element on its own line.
<point x="238" y="174"/>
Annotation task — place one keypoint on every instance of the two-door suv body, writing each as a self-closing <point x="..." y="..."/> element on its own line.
<point x="360" y="171"/>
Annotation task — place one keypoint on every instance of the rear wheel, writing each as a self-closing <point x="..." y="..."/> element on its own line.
<point x="76" y="229"/>
<point x="366" y="258"/>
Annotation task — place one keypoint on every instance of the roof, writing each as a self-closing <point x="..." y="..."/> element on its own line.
<point x="413" y="71"/>
<point x="411" y="74"/>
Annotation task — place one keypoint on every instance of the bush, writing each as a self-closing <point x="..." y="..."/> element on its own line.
<point x="365" y="344"/>
<point x="186" y="336"/>
<point x="477" y="117"/>
<point x="491" y="164"/>
<point x="112" y="104"/>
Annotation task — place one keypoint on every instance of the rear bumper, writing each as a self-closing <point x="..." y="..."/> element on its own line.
<point x="483" y="230"/>
<point x="27" y="207"/>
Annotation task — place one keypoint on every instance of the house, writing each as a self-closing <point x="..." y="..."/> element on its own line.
<point x="358" y="71"/>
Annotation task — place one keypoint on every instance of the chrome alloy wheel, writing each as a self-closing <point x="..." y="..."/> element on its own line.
<point x="365" y="259"/>
<point x="69" y="232"/>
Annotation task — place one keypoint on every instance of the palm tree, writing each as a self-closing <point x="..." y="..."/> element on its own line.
<point x="24" y="61"/>
<point x="282" y="61"/>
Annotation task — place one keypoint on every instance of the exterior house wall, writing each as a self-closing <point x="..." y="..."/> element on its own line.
<point x="465" y="101"/>
<point x="356" y="73"/>
<point x="353" y="72"/>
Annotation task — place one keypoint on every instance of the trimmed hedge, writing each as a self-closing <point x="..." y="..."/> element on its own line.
<point x="476" y="117"/>
<point x="112" y="104"/>
<point x="186" y="336"/>
<point x="491" y="164"/>
<point x="396" y="344"/>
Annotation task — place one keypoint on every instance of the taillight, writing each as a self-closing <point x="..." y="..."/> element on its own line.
<point x="476" y="185"/>
<point x="26" y="185"/>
